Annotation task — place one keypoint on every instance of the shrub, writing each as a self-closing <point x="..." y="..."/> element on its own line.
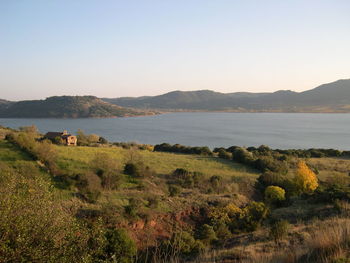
<point x="224" y="155"/>
<point x="120" y="247"/>
<point x="108" y="169"/>
<point x="153" y="202"/>
<point x="267" y="163"/>
<point x="102" y="140"/>
<point x="274" y="194"/>
<point x="279" y="230"/>
<point x="177" y="148"/>
<point x="216" y="182"/>
<point x="305" y="179"/>
<point x="86" y="139"/>
<point x="269" y="178"/>
<point x="207" y="234"/>
<point x="182" y="243"/>
<point x="174" y="190"/>
<point x="138" y="169"/>
<point x="133" y="207"/>
<point x="34" y="225"/>
<point x="222" y="232"/>
<point x="132" y="169"/>
<point x="253" y="215"/>
<point x="89" y="186"/>
<point x="185" y="178"/>
<point x="241" y="155"/>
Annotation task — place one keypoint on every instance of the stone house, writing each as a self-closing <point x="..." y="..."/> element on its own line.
<point x="67" y="138"/>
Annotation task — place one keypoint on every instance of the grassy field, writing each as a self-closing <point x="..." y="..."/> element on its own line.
<point x="330" y="168"/>
<point x="11" y="154"/>
<point x="77" y="159"/>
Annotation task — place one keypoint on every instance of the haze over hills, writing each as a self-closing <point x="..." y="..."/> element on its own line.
<point x="331" y="97"/>
<point x="65" y="107"/>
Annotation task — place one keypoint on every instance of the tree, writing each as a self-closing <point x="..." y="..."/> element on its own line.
<point x="274" y="194"/>
<point x="305" y="179"/>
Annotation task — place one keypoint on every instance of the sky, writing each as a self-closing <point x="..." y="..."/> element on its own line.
<point x="115" y="48"/>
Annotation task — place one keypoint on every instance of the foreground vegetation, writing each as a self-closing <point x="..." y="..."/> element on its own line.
<point x="124" y="202"/>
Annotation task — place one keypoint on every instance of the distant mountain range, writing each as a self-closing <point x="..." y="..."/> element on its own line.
<point x="65" y="107"/>
<point x="331" y="97"/>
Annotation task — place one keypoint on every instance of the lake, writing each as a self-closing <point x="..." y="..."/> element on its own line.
<point x="277" y="130"/>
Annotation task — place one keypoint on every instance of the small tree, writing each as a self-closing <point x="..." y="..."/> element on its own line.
<point x="305" y="179"/>
<point x="274" y="194"/>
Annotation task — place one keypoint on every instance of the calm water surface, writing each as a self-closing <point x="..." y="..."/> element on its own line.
<point x="278" y="130"/>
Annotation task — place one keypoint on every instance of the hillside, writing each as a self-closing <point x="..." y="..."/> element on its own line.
<point x="134" y="203"/>
<point x="130" y="203"/>
<point x="331" y="97"/>
<point x="65" y="107"/>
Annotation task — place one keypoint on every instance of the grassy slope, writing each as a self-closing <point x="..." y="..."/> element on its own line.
<point x="331" y="167"/>
<point x="77" y="158"/>
<point x="11" y="155"/>
<point x="301" y="214"/>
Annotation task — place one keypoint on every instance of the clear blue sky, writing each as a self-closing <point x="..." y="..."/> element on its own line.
<point x="149" y="47"/>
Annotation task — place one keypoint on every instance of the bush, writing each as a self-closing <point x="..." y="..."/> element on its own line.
<point x="182" y="243"/>
<point x="216" y="182"/>
<point x="86" y="139"/>
<point x="120" y="247"/>
<point x="224" y="155"/>
<point x="102" y="140"/>
<point x="274" y="194"/>
<point x="132" y="169"/>
<point x="253" y="215"/>
<point x="305" y="179"/>
<point x="138" y="169"/>
<point x="35" y="226"/>
<point x="241" y="155"/>
<point x="279" y="230"/>
<point x="177" y="148"/>
<point x="174" y="190"/>
<point x="269" y="178"/>
<point x="267" y="163"/>
<point x="207" y="234"/>
<point x="108" y="169"/>
<point x="153" y="202"/>
<point x="133" y="207"/>
<point x="89" y="186"/>
<point x="185" y="178"/>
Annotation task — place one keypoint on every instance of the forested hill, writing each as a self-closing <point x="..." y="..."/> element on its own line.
<point x="65" y="107"/>
<point x="331" y="97"/>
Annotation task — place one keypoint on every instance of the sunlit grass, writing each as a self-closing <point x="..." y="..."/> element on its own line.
<point x="77" y="159"/>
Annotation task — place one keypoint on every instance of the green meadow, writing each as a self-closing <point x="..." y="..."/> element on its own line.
<point x="77" y="159"/>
